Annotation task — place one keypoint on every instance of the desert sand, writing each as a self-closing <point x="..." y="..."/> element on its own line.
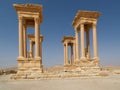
<point x="86" y="83"/>
<point x="111" y="81"/>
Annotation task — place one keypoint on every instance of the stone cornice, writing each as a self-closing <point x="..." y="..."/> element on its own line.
<point x="28" y="7"/>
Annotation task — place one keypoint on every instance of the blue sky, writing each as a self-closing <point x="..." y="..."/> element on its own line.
<point x="58" y="16"/>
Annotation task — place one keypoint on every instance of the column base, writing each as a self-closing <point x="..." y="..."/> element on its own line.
<point x="83" y="58"/>
<point x="96" y="58"/>
<point x="20" y="58"/>
<point x="37" y="58"/>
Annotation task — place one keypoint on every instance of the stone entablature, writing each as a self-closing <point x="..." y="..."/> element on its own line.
<point x="88" y="15"/>
<point x="29" y="12"/>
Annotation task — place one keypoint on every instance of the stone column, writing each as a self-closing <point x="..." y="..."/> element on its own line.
<point x="20" y="37"/>
<point x="24" y="40"/>
<point x="66" y="53"/>
<point x="74" y="53"/>
<point x="31" y="49"/>
<point x="37" y="38"/>
<point x="88" y="43"/>
<point x="76" y="45"/>
<point x="71" y="53"/>
<point x="82" y="41"/>
<point x="95" y="49"/>
<point x="41" y="50"/>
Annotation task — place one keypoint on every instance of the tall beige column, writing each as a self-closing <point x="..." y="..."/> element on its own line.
<point x="41" y="49"/>
<point x="88" y="43"/>
<point x="95" y="49"/>
<point x="24" y="40"/>
<point x="31" y="49"/>
<point x="20" y="38"/>
<point x="37" y="38"/>
<point x="66" y="54"/>
<point x="82" y="41"/>
<point x="76" y="45"/>
<point x="74" y="53"/>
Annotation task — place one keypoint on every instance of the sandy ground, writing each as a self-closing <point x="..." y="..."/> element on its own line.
<point x="94" y="83"/>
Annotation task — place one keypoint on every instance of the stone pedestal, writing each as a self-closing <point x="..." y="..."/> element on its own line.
<point x="29" y="68"/>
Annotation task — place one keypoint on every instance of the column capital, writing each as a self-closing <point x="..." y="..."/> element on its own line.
<point x="76" y="31"/>
<point x="37" y="19"/>
<point x="81" y="23"/>
<point x="24" y="23"/>
<point x="66" y="44"/>
<point x="20" y="18"/>
<point x="87" y="29"/>
<point x="94" y="24"/>
<point x="82" y="26"/>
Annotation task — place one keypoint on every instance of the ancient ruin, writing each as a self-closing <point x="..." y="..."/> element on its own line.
<point x="77" y="58"/>
<point x="82" y="23"/>
<point x="29" y="64"/>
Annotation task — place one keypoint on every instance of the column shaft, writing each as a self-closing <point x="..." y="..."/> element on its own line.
<point x="66" y="53"/>
<point x="24" y="39"/>
<point x="37" y="38"/>
<point x="74" y="53"/>
<point x="71" y="53"/>
<point x="82" y="41"/>
<point x="76" y="45"/>
<point x="31" y="49"/>
<point x="95" y="49"/>
<point x="20" y="38"/>
<point x="41" y="50"/>
<point x="88" y="43"/>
